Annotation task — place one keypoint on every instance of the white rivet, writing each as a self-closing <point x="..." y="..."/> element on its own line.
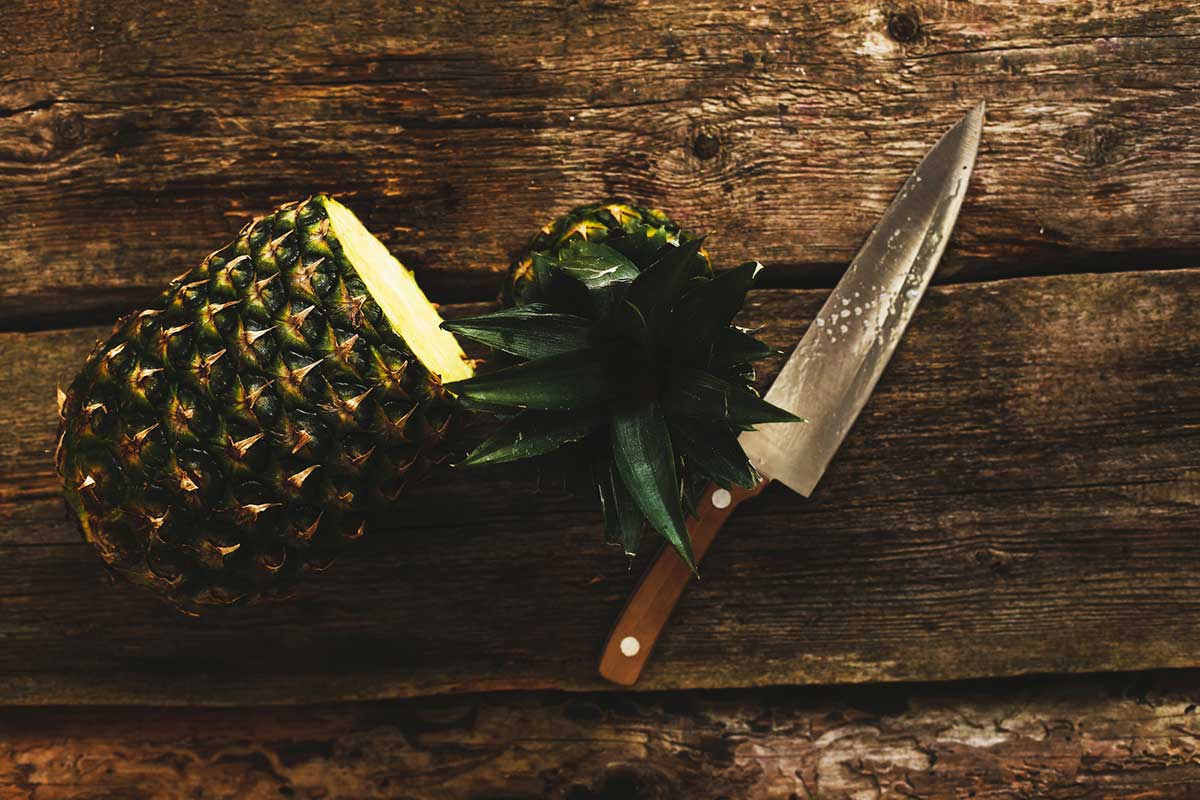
<point x="630" y="646"/>
<point x="722" y="498"/>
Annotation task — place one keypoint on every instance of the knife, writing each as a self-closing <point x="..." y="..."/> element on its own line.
<point x="826" y="380"/>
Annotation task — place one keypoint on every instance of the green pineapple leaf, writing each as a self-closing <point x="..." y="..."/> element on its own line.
<point x="659" y="283"/>
<point x="713" y="451"/>
<point x="563" y="382"/>
<point x="530" y="434"/>
<point x="738" y="346"/>
<point x="543" y="272"/>
<point x="484" y="407"/>
<point x="694" y="483"/>
<point x="626" y="322"/>
<point x="701" y="395"/>
<point x="560" y="290"/>
<point x="528" y="332"/>
<point x="645" y="462"/>
<point x="597" y="276"/>
<point x="709" y="308"/>
<point x="747" y="409"/>
<point x="639" y="248"/>
<point x="597" y="266"/>
<point x="698" y="394"/>
<point x="623" y="519"/>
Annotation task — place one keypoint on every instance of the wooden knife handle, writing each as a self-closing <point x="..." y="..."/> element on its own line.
<point x="637" y="629"/>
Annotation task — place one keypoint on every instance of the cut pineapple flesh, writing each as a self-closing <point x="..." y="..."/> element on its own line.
<point x="395" y="289"/>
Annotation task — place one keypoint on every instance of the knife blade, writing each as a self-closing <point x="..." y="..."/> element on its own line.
<point x="833" y="370"/>
<point x="827" y="379"/>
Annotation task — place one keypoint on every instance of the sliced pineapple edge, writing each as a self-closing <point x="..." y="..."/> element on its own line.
<point x="394" y="287"/>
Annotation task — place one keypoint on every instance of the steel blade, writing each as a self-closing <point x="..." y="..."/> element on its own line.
<point x="834" y="368"/>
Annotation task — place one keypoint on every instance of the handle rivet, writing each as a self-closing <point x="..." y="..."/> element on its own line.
<point x="722" y="498"/>
<point x="630" y="646"/>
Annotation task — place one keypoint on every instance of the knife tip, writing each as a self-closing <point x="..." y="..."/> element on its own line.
<point x="970" y="127"/>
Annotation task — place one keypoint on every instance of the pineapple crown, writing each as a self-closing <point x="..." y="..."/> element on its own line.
<point x="636" y="365"/>
<point x="633" y="231"/>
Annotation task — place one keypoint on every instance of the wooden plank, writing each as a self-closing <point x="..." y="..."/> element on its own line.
<point x="1020" y="495"/>
<point x="1115" y="737"/>
<point x="132" y="143"/>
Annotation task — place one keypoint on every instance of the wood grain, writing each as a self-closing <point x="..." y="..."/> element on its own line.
<point x="1112" y="737"/>
<point x="1020" y="495"/>
<point x="132" y="142"/>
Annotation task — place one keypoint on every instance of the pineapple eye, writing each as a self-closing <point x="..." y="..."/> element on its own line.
<point x="263" y="402"/>
<point x="324" y="278"/>
<point x="198" y="473"/>
<point x="303" y="522"/>
<point x="167" y="563"/>
<point x="237" y="272"/>
<point x="118" y="360"/>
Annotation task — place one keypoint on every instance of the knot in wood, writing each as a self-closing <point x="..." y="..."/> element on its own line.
<point x="69" y="127"/>
<point x="705" y="146"/>
<point x="903" y="26"/>
<point x="1098" y="145"/>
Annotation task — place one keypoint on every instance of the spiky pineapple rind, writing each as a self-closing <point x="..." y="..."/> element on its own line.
<point x="240" y="432"/>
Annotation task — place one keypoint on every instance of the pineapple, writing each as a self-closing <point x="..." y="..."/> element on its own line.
<point x="635" y="232"/>
<point x="629" y="362"/>
<point x="239" y="433"/>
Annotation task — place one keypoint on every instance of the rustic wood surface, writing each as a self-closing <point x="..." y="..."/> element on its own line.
<point x="131" y="137"/>
<point x="1115" y="737"/>
<point x="1020" y="495"/>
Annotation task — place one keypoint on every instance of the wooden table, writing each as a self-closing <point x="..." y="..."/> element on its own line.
<point x="1020" y="497"/>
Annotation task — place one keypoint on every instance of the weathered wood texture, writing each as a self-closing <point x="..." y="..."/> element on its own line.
<point x="1114" y="737"/>
<point x="1021" y="494"/>
<point x="132" y="137"/>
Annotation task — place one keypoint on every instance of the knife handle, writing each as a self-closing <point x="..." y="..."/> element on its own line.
<point x="637" y="629"/>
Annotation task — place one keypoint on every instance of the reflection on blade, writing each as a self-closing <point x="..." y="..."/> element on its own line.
<point x="835" y="367"/>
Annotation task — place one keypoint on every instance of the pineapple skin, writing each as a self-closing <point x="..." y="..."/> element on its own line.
<point x="241" y="432"/>
<point x="645" y="230"/>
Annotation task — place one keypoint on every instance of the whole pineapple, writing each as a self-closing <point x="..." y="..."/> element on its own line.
<point x="629" y="361"/>
<point x="241" y="432"/>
